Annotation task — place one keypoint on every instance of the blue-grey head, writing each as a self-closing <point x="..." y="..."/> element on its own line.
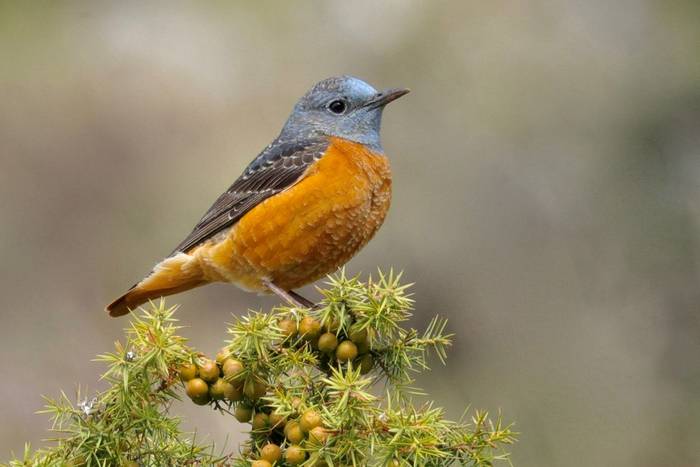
<point x="345" y="107"/>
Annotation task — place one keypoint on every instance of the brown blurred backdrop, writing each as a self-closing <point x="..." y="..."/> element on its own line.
<point x="547" y="194"/>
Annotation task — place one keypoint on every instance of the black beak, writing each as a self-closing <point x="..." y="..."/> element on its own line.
<point x="384" y="97"/>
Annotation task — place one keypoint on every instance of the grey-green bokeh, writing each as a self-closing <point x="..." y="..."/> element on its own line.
<point x="547" y="194"/>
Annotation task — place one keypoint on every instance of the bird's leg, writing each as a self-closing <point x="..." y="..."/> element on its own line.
<point x="301" y="299"/>
<point x="290" y="296"/>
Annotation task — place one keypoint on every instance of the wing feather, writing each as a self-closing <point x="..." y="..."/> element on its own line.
<point x="278" y="167"/>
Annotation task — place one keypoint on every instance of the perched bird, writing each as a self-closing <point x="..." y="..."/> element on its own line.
<point x="311" y="200"/>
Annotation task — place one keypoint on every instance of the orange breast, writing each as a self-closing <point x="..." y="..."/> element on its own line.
<point x="310" y="229"/>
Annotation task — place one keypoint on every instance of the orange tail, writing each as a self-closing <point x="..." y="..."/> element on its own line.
<point x="172" y="275"/>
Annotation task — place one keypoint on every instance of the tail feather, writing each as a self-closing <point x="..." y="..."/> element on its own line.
<point x="136" y="297"/>
<point x="173" y="275"/>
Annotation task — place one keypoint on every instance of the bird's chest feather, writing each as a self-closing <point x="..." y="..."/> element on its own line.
<point x="311" y="228"/>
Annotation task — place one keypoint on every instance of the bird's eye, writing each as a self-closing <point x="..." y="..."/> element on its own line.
<point x="337" y="106"/>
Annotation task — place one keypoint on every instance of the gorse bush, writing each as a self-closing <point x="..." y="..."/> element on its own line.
<point x="307" y="381"/>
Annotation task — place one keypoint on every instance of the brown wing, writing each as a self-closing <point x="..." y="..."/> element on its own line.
<point x="278" y="167"/>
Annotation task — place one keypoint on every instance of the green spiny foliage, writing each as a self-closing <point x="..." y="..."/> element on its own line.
<point x="309" y="382"/>
<point x="129" y="422"/>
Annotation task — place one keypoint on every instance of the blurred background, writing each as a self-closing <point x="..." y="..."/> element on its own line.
<point x="547" y="195"/>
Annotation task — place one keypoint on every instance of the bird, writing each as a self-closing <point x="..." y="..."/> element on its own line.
<point x="299" y="211"/>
